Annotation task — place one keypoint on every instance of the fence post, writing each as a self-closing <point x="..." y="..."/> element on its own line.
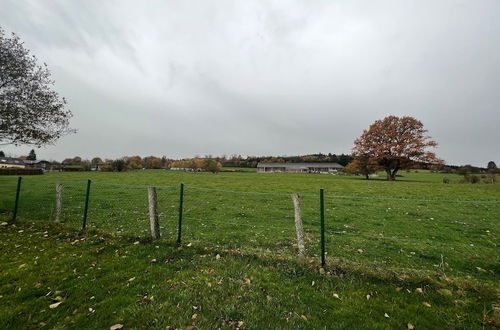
<point x="86" y="207"/>
<point x="16" y="203"/>
<point x="322" y="226"/>
<point x="153" y="213"/>
<point x="59" y="193"/>
<point x="181" y="200"/>
<point x="298" y="226"/>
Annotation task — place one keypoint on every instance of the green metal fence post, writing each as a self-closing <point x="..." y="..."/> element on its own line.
<point x="16" y="203"/>
<point x="86" y="207"/>
<point x="181" y="200"/>
<point x="322" y="225"/>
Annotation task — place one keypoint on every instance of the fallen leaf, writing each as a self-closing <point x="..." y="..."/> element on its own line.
<point x="116" y="326"/>
<point x="303" y="317"/>
<point x="217" y="256"/>
<point x="426" y="304"/>
<point x="419" y="290"/>
<point x="336" y="296"/>
<point x="194" y="316"/>
<point x="131" y="279"/>
<point x="445" y="292"/>
<point x="410" y="326"/>
<point x="360" y="251"/>
<point x="55" y="305"/>
<point x="368" y="297"/>
<point x="386" y="315"/>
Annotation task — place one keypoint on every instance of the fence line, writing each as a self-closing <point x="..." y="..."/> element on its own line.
<point x="196" y="204"/>
<point x="484" y="201"/>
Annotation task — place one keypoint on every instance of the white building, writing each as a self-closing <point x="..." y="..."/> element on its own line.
<point x="324" y="168"/>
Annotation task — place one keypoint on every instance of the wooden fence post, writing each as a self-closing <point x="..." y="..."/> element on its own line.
<point x="298" y="226"/>
<point x="153" y="213"/>
<point x="59" y="194"/>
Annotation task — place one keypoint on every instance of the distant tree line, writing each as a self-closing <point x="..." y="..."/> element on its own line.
<point x="206" y="163"/>
<point x="252" y="161"/>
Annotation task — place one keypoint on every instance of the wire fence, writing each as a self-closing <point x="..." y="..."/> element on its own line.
<point x="410" y="234"/>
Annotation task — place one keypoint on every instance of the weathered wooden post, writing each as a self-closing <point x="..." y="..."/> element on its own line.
<point x="153" y="213"/>
<point x="298" y="226"/>
<point x="59" y="194"/>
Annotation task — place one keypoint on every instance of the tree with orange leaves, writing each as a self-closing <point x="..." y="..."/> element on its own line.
<point x="395" y="143"/>
<point x="362" y="165"/>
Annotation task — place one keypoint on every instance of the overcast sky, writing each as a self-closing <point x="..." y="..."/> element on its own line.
<point x="185" y="78"/>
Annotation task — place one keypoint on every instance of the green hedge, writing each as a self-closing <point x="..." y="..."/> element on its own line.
<point x="21" y="171"/>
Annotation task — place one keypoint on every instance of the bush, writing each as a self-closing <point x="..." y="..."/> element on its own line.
<point x="106" y="168"/>
<point x="490" y="178"/>
<point x="21" y="171"/>
<point x="475" y="179"/>
<point x="446" y="180"/>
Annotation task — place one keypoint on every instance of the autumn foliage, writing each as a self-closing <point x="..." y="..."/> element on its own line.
<point x="362" y="165"/>
<point x="395" y="143"/>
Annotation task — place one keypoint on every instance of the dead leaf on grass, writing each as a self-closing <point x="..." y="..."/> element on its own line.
<point x="55" y="305"/>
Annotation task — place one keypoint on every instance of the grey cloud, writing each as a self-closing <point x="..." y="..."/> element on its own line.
<point x="265" y="77"/>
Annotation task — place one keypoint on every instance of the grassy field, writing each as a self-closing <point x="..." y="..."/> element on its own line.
<point x="418" y="250"/>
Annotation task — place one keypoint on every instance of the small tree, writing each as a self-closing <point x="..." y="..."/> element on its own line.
<point x="211" y="165"/>
<point x="492" y="167"/>
<point x="152" y="162"/>
<point x="134" y="162"/>
<point x="96" y="161"/>
<point x="395" y="143"/>
<point x="32" y="155"/>
<point x="364" y="166"/>
<point x="31" y="112"/>
<point x="2" y="153"/>
<point x="465" y="171"/>
<point x="118" y="165"/>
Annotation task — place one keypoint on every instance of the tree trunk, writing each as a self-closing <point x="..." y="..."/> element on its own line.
<point x="391" y="168"/>
<point x="393" y="174"/>
<point x="367" y="176"/>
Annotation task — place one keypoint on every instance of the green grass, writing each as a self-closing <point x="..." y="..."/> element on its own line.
<point x="413" y="233"/>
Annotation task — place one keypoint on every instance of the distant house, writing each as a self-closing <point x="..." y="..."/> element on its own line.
<point x="323" y="168"/>
<point x="43" y="164"/>
<point x="8" y="162"/>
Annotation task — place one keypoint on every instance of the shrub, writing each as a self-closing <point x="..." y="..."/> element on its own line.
<point x="446" y="180"/>
<point x="106" y="168"/>
<point x="21" y="171"/>
<point x="475" y="179"/>
<point x="490" y="178"/>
